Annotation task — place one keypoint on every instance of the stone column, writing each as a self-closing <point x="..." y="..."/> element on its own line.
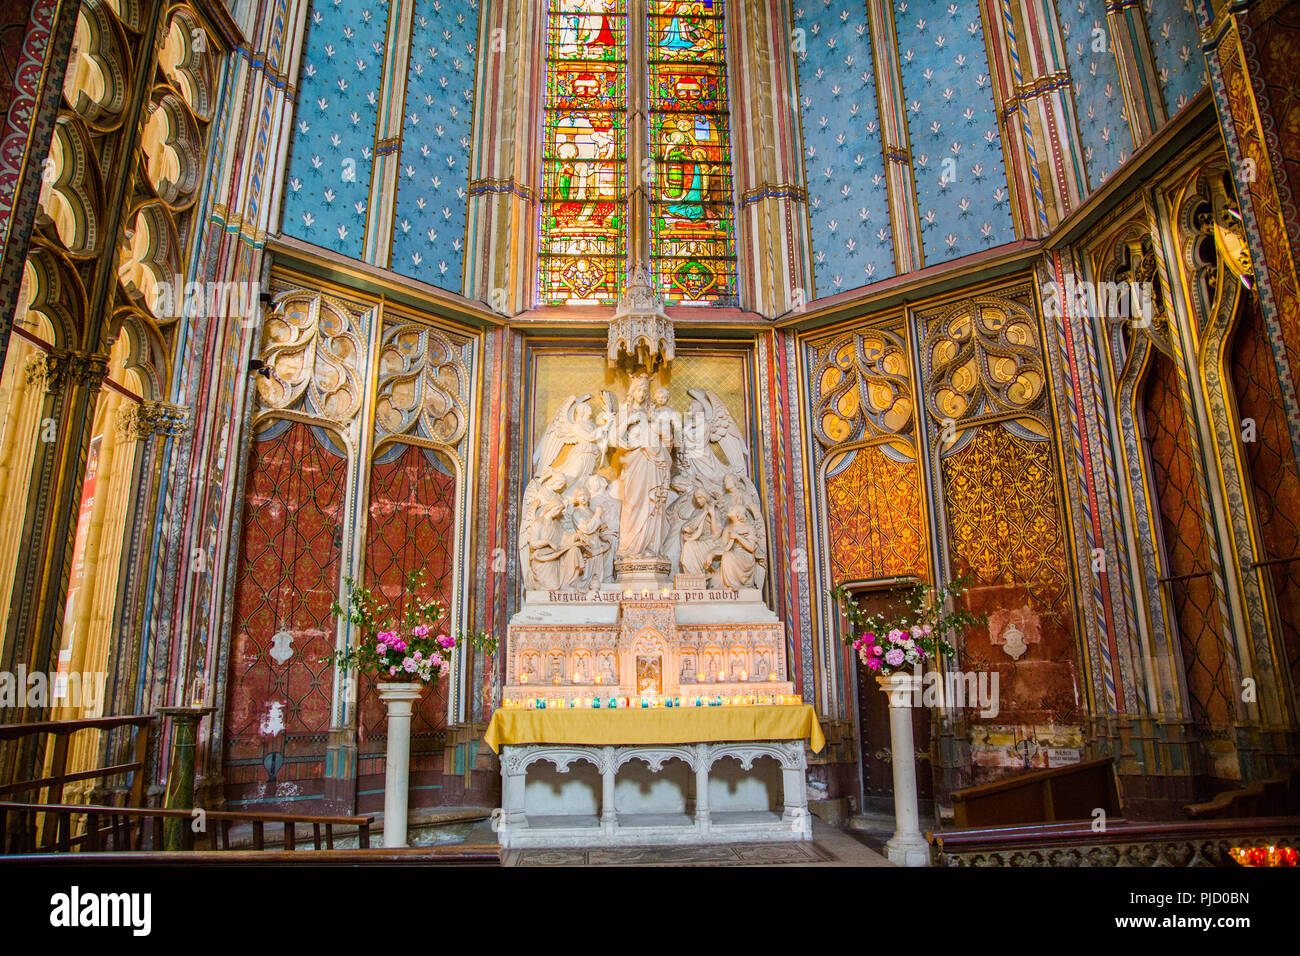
<point x="180" y="771"/>
<point x="703" y="821"/>
<point x="608" y="771"/>
<point x="794" y="782"/>
<point x="398" y="696"/>
<point x="907" y="847"/>
<point x="513" y="778"/>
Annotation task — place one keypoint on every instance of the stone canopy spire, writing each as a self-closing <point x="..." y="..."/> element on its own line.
<point x="640" y="333"/>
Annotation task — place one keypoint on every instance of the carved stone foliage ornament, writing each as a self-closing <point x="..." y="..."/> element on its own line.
<point x="141" y="420"/>
<point x="56" y="369"/>
<point x="423" y="385"/>
<point x="636" y="488"/>
<point x="314" y="350"/>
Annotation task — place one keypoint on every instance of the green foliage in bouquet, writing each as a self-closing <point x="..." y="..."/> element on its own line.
<point x="402" y="642"/>
<point x="886" y="643"/>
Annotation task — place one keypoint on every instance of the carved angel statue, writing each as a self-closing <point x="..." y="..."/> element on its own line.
<point x="574" y="424"/>
<point x="707" y="422"/>
<point x="541" y="494"/>
<point x="737" y="559"/>
<point x="738" y="491"/>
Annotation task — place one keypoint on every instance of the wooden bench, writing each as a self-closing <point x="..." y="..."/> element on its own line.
<point x="123" y="829"/>
<point x="1040" y="796"/>
<point x="1278" y="795"/>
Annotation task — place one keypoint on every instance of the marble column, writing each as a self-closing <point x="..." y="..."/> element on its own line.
<point x="180" y="770"/>
<point x="398" y="696"/>
<point x="608" y="777"/>
<point x="907" y="847"/>
<point x="702" y="762"/>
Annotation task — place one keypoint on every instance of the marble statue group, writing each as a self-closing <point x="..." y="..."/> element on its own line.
<point x="639" y="485"/>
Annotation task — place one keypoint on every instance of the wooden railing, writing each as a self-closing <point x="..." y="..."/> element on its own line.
<point x="123" y="829"/>
<point x="453" y="854"/>
<point x="1120" y="843"/>
<point x="1040" y="796"/>
<point x="61" y="731"/>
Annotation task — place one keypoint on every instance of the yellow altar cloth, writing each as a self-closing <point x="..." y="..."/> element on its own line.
<point x="654" y="725"/>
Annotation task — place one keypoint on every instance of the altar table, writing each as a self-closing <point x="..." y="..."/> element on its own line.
<point x="644" y="776"/>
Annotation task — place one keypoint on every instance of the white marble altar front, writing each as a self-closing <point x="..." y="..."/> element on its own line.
<point x="561" y="795"/>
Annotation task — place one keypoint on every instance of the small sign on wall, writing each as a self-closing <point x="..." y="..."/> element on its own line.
<point x="1062" y="756"/>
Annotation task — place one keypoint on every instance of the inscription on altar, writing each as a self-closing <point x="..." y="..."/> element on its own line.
<point x="673" y="595"/>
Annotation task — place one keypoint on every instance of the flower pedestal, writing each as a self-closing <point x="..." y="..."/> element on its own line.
<point x="398" y="696"/>
<point x="907" y="847"/>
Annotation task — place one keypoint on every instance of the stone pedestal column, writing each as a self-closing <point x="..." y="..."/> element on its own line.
<point x="180" y="770"/>
<point x="907" y="847"/>
<point x="703" y="820"/>
<point x="608" y="777"/>
<point x="398" y="696"/>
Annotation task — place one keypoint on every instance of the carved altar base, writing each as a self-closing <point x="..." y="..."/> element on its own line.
<point x="562" y="795"/>
<point x="651" y="641"/>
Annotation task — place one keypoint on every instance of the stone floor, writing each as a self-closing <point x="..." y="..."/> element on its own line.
<point x="830" y="846"/>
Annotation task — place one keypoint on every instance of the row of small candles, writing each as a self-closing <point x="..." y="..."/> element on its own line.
<point x="648" y="702"/>
<point x="720" y="678"/>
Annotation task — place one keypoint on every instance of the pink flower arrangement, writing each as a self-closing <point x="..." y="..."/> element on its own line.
<point x="407" y="649"/>
<point x="918" y="635"/>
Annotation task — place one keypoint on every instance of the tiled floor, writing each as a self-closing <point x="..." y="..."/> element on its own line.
<point x="830" y="846"/>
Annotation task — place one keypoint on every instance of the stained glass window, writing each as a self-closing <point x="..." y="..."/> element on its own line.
<point x="692" y="245"/>
<point x="584" y="240"/>
<point x="583" y="248"/>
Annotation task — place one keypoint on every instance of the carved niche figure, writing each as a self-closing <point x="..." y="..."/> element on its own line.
<point x="736" y="552"/>
<point x="687" y="673"/>
<point x="607" y="668"/>
<point x="554" y="557"/>
<point x="594" y="539"/>
<point x="645" y="474"/>
<point x="699" y="536"/>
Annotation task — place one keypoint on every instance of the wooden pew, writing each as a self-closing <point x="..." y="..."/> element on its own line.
<point x="448" y="855"/>
<point x="1040" y="796"/>
<point x="1278" y="795"/>
<point x="59" y="731"/>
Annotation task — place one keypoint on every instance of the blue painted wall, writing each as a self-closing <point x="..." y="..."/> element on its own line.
<point x="957" y="163"/>
<point x="844" y="162"/>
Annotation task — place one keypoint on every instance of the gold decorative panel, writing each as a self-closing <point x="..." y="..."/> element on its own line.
<point x="560" y="374"/>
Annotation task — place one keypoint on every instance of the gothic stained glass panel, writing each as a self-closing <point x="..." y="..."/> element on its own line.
<point x="692" y="228"/>
<point x="583" y="247"/>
